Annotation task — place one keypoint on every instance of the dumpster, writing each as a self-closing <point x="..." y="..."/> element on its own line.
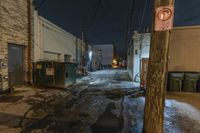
<point x="190" y="82"/>
<point x="175" y="81"/>
<point x="54" y="74"/>
<point x="65" y="74"/>
<point x="44" y="74"/>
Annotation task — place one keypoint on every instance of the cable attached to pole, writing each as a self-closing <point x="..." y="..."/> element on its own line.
<point x="40" y="5"/>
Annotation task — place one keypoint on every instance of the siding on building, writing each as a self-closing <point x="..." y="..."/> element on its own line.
<point x="184" y="50"/>
<point x="13" y="30"/>
<point x="51" y="42"/>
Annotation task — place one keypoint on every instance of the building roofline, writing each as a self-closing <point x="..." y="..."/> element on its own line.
<point x="44" y="20"/>
<point x="56" y="27"/>
<point x="186" y="27"/>
<point x="180" y="28"/>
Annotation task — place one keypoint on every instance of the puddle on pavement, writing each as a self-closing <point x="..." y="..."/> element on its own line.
<point x="108" y="122"/>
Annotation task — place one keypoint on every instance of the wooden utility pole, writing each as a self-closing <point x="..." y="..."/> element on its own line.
<point x="82" y="43"/>
<point x="156" y="78"/>
<point x="29" y="8"/>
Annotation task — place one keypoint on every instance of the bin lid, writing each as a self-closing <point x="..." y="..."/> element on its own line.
<point x="177" y="75"/>
<point x="192" y="75"/>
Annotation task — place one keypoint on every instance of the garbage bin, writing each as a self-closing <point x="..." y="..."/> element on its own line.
<point x="198" y="86"/>
<point x="175" y="81"/>
<point x="190" y="82"/>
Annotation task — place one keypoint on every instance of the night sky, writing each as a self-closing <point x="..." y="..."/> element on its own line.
<point x="105" y="21"/>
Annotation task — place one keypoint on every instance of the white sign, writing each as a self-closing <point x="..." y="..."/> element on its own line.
<point x="164" y="18"/>
<point x="49" y="71"/>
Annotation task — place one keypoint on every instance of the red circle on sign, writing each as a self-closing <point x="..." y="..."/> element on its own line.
<point x="164" y="14"/>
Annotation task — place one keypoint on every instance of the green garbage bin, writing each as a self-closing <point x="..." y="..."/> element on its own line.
<point x="175" y="81"/>
<point x="190" y="82"/>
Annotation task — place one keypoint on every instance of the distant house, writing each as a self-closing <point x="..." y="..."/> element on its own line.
<point x="107" y="51"/>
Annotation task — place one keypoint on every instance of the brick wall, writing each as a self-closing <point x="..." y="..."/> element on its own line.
<point x="13" y="29"/>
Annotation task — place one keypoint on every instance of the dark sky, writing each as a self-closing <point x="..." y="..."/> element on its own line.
<point x="106" y="21"/>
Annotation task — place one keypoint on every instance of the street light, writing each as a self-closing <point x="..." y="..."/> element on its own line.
<point x="90" y="55"/>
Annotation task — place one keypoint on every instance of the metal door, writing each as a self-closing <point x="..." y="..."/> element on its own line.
<point x="16" y="64"/>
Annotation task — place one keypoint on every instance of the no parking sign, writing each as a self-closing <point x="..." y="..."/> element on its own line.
<point x="164" y="18"/>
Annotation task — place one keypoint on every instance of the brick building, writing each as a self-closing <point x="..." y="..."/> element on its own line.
<point x="13" y="43"/>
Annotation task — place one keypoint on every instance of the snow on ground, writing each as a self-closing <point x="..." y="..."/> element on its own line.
<point x="179" y="117"/>
<point x="185" y="109"/>
<point x="104" y="78"/>
<point x="104" y="98"/>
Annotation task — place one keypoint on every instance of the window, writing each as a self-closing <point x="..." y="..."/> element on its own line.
<point x="52" y="56"/>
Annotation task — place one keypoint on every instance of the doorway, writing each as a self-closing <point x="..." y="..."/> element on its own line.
<point x="16" y="65"/>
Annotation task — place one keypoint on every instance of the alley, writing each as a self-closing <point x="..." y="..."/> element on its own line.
<point x="105" y="101"/>
<point x="99" y="66"/>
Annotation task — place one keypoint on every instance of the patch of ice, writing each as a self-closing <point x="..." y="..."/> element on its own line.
<point x="98" y="81"/>
<point x="168" y="103"/>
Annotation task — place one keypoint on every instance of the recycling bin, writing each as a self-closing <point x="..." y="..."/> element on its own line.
<point x="190" y="82"/>
<point x="175" y="81"/>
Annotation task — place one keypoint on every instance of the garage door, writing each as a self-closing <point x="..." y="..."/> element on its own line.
<point x="16" y="64"/>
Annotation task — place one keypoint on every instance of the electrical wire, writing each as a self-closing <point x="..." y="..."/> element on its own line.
<point x="148" y="9"/>
<point x="143" y="15"/>
<point x="132" y="14"/>
<point x="129" y="21"/>
<point x="96" y="10"/>
<point x="40" y="5"/>
<point x="98" y="6"/>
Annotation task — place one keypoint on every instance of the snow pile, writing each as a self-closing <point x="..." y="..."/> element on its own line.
<point x="98" y="82"/>
<point x="186" y="110"/>
<point x="181" y="117"/>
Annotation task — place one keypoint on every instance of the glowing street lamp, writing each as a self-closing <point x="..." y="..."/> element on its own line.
<point x="90" y="55"/>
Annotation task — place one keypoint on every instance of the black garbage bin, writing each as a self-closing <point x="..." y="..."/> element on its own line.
<point x="190" y="82"/>
<point x="198" y="86"/>
<point x="175" y="81"/>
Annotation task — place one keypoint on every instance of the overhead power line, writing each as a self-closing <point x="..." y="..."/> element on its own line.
<point x="96" y="10"/>
<point x="129" y="21"/>
<point x="40" y="5"/>
<point x="143" y="15"/>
